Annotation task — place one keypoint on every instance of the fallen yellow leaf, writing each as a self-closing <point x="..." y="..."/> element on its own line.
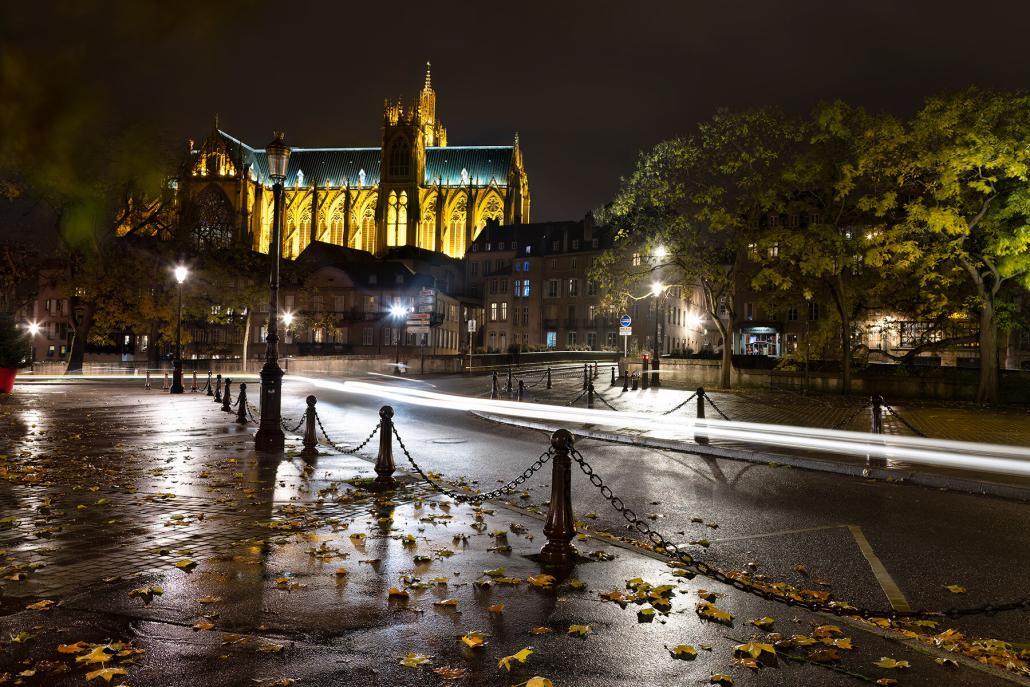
<point x="890" y="663"/>
<point x="519" y="656"/>
<point x="106" y="673"/>
<point x="541" y="580"/>
<point x="684" y="652"/>
<point x="413" y="660"/>
<point x="474" y="639"/>
<point x="580" y="630"/>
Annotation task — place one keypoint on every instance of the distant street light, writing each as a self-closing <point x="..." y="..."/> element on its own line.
<point x="33" y="330"/>
<point x="270" y="437"/>
<point x="180" y="276"/>
<point x="398" y="313"/>
<point x="660" y="252"/>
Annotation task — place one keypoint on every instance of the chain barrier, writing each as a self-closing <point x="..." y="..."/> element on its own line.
<point x="284" y="422"/>
<point x="363" y="444"/>
<point x="508" y="488"/>
<point x="680" y="405"/>
<point x="712" y="403"/>
<point x="605" y="401"/>
<point x="744" y="584"/>
<point x="903" y="420"/>
<point x="847" y="420"/>
<point x="573" y="401"/>
<point x="251" y="409"/>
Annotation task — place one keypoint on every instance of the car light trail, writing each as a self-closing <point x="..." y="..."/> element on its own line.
<point x="996" y="458"/>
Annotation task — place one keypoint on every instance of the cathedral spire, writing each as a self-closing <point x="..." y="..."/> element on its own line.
<point x="429" y="77"/>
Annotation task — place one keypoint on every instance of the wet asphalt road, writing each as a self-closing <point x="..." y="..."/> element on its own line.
<point x="774" y="518"/>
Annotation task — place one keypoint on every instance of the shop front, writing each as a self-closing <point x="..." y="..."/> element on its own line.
<point x="760" y="340"/>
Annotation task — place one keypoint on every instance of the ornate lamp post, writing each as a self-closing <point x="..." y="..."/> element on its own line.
<point x="33" y="330"/>
<point x="270" y="437"/>
<point x="180" y="276"/>
<point x="657" y="290"/>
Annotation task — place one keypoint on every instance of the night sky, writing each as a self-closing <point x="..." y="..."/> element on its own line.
<point x="586" y="85"/>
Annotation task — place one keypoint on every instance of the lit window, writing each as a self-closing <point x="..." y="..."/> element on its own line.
<point x="504" y="311"/>
<point x="397" y="219"/>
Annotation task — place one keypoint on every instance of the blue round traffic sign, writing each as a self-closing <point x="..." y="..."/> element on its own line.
<point x="626" y="321"/>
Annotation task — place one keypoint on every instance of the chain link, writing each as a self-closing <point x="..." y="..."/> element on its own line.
<point x="576" y="399"/>
<point x="680" y="405"/>
<point x="284" y="423"/>
<point x="712" y="403"/>
<point x="250" y="412"/>
<point x="744" y="583"/>
<point x="903" y="420"/>
<point x="482" y="496"/>
<point x="605" y="401"/>
<point x="847" y="420"/>
<point x="363" y="444"/>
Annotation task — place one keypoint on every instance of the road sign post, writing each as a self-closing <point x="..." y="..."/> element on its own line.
<point x="625" y="331"/>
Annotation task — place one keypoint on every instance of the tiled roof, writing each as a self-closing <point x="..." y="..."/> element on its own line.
<point x="344" y="166"/>
<point x="483" y="164"/>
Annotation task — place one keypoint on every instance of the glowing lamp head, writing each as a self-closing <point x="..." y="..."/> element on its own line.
<point x="657" y="288"/>
<point x="181" y="273"/>
<point x="278" y="155"/>
<point x="33" y="328"/>
<point x="693" y="321"/>
<point x="660" y="252"/>
<point x="398" y="311"/>
<point x="287" y="318"/>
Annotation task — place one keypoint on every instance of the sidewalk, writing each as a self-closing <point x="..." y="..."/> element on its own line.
<point x="143" y="537"/>
<point x="959" y="422"/>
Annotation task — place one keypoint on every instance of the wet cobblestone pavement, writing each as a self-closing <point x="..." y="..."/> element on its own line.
<point x="143" y="542"/>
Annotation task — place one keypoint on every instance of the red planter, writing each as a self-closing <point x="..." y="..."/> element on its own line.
<point x="7" y="379"/>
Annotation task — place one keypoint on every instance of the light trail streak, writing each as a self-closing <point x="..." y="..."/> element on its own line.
<point x="1012" y="460"/>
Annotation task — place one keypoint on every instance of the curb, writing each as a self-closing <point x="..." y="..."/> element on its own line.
<point x="923" y="479"/>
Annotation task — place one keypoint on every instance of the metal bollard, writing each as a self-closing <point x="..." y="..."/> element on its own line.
<point x="218" y="389"/>
<point x="209" y="390"/>
<point x="876" y="427"/>
<point x="548" y="378"/>
<point x="596" y="371"/>
<point x="507" y="388"/>
<point x="655" y="380"/>
<point x="700" y="438"/>
<point x="493" y="385"/>
<point x="227" y="397"/>
<point x="310" y="441"/>
<point x="146" y="384"/>
<point x="522" y="390"/>
<point x="586" y="375"/>
<point x="559" y="528"/>
<point x="194" y="388"/>
<point x="613" y="375"/>
<point x="241" y="401"/>
<point x="384" y="461"/>
<point x="644" y="375"/>
<point x="165" y="386"/>
<point x="625" y="379"/>
<point x="590" y="395"/>
<point x="636" y="380"/>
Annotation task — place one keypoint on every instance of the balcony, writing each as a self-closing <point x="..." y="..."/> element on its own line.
<point x="551" y="324"/>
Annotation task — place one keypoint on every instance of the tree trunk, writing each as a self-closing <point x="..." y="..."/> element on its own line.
<point x="246" y="339"/>
<point x="77" y="354"/>
<point x="987" y="392"/>
<point x="845" y="354"/>
<point x="726" y="365"/>
<point x="153" y="352"/>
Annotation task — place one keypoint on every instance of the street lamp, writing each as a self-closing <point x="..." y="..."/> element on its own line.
<point x="33" y="330"/>
<point x="180" y="276"/>
<point x="657" y="288"/>
<point x="270" y="435"/>
<point x="398" y="313"/>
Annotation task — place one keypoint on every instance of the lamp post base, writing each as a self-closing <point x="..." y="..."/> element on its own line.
<point x="270" y="437"/>
<point x="177" y="387"/>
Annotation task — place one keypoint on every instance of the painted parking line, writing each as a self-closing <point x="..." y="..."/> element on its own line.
<point x="777" y="534"/>
<point x="887" y="584"/>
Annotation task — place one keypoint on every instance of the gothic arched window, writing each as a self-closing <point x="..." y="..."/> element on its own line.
<point x="212" y="225"/>
<point x="336" y="226"/>
<point x="456" y="229"/>
<point x="427" y="237"/>
<point x="400" y="158"/>
<point x="397" y="218"/>
<point x="492" y="209"/>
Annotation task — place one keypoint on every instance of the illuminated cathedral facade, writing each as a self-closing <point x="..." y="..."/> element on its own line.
<point x="413" y="190"/>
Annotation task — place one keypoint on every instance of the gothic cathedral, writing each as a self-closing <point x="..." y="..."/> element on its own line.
<point x="415" y="190"/>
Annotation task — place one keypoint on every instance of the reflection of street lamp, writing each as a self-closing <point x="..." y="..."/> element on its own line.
<point x="398" y="312"/>
<point x="270" y="435"/>
<point x="180" y="276"/>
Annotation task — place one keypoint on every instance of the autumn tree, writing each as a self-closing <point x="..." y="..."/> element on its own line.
<point x="953" y="206"/>
<point x="701" y="197"/>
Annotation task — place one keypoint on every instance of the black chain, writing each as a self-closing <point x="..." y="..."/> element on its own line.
<point x="576" y="399"/>
<point x="363" y="444"/>
<point x="850" y="418"/>
<point x="605" y="401"/>
<point x="745" y="584"/>
<point x="250" y="412"/>
<point x="482" y="496"/>
<point x="284" y="422"/>
<point x="712" y="403"/>
<point x="903" y="421"/>
<point x="680" y="405"/>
